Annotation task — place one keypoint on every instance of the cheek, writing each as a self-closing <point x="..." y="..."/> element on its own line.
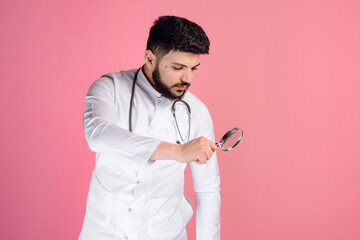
<point x="171" y="78"/>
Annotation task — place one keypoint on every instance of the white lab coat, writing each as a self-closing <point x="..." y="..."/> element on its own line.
<point x="131" y="197"/>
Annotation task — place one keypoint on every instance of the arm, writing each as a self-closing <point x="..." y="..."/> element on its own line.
<point x="198" y="150"/>
<point x="206" y="183"/>
<point x="103" y="134"/>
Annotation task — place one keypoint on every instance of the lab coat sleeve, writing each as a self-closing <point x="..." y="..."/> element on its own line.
<point x="103" y="134"/>
<point x="206" y="183"/>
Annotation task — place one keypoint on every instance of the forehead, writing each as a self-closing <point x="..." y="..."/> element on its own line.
<point x="185" y="58"/>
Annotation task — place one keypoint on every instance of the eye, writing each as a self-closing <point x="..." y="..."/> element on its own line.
<point x="177" y="68"/>
<point x="194" y="69"/>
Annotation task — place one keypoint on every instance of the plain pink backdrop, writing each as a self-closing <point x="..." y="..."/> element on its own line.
<point x="286" y="72"/>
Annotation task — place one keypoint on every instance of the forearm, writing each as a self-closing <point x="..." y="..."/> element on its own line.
<point x="111" y="139"/>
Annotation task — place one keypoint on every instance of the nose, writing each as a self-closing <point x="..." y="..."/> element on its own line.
<point x="187" y="75"/>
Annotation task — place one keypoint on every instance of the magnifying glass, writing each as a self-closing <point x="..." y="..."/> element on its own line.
<point x="230" y="139"/>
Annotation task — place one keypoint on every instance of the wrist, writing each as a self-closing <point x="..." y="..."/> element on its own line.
<point x="166" y="151"/>
<point x="175" y="151"/>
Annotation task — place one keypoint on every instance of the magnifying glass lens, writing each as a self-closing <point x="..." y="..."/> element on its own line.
<point x="230" y="139"/>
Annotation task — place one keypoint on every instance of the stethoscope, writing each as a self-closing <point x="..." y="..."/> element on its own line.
<point x="173" y="110"/>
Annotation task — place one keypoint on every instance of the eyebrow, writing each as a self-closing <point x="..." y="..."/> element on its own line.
<point x="183" y="65"/>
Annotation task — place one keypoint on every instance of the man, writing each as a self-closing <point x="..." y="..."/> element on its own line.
<point x="136" y="190"/>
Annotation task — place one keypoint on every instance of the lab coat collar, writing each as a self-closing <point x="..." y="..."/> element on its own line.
<point x="145" y="84"/>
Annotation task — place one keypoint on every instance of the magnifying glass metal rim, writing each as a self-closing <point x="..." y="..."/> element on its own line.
<point x="227" y="135"/>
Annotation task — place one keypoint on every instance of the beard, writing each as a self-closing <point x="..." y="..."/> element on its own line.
<point x="165" y="90"/>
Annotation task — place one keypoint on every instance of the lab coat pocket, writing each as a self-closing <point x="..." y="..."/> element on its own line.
<point x="99" y="203"/>
<point x="165" y="221"/>
<point x="186" y="209"/>
<point x="170" y="216"/>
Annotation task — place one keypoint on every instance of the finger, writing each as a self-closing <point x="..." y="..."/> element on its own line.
<point x="205" y="152"/>
<point x="207" y="156"/>
<point x="209" y="152"/>
<point x="213" y="146"/>
<point x="203" y="159"/>
<point x="198" y="162"/>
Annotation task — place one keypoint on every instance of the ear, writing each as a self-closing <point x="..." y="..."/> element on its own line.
<point x="150" y="60"/>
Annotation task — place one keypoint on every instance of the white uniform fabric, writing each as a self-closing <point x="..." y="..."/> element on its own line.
<point x="131" y="197"/>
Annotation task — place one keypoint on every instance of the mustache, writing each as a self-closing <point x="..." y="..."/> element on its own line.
<point x="182" y="84"/>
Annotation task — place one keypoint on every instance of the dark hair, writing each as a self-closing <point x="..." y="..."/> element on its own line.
<point x="177" y="33"/>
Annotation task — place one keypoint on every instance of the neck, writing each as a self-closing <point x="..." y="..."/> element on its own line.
<point x="148" y="75"/>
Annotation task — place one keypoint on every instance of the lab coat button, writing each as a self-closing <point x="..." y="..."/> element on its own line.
<point x="126" y="238"/>
<point x="138" y="182"/>
<point x="158" y="100"/>
<point x="130" y="209"/>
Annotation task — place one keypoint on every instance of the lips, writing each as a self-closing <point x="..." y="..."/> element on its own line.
<point x="182" y="87"/>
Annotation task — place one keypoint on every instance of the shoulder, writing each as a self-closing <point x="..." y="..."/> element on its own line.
<point x="113" y="80"/>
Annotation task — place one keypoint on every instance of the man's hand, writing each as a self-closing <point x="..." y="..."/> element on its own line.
<point x="198" y="150"/>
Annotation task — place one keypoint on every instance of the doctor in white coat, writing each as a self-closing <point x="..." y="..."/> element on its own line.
<point x="146" y="127"/>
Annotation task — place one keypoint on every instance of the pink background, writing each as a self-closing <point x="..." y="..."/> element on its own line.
<point x="286" y="72"/>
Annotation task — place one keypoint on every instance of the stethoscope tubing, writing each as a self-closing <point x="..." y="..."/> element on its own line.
<point x="132" y="99"/>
